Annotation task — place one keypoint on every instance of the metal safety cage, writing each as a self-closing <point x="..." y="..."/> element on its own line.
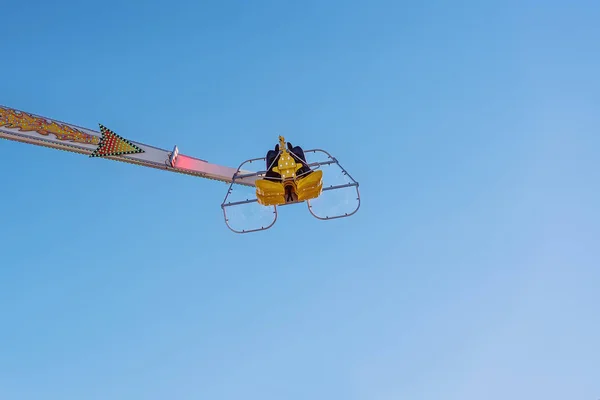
<point x="331" y="160"/>
<point x="240" y="174"/>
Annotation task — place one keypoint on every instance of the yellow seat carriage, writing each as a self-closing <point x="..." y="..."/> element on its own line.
<point x="287" y="178"/>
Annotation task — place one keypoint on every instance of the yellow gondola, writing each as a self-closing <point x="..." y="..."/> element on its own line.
<point x="288" y="179"/>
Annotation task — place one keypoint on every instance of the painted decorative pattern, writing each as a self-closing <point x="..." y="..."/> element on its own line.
<point x="14" y="119"/>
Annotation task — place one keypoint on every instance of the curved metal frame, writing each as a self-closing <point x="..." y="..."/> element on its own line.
<point x="226" y="204"/>
<point x="354" y="183"/>
<point x="238" y="176"/>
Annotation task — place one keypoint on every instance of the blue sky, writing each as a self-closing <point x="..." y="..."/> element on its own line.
<point x="470" y="272"/>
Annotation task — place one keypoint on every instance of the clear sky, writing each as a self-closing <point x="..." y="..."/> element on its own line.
<point x="470" y="272"/>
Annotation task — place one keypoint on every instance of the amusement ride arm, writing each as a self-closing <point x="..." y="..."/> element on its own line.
<point x="41" y="131"/>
